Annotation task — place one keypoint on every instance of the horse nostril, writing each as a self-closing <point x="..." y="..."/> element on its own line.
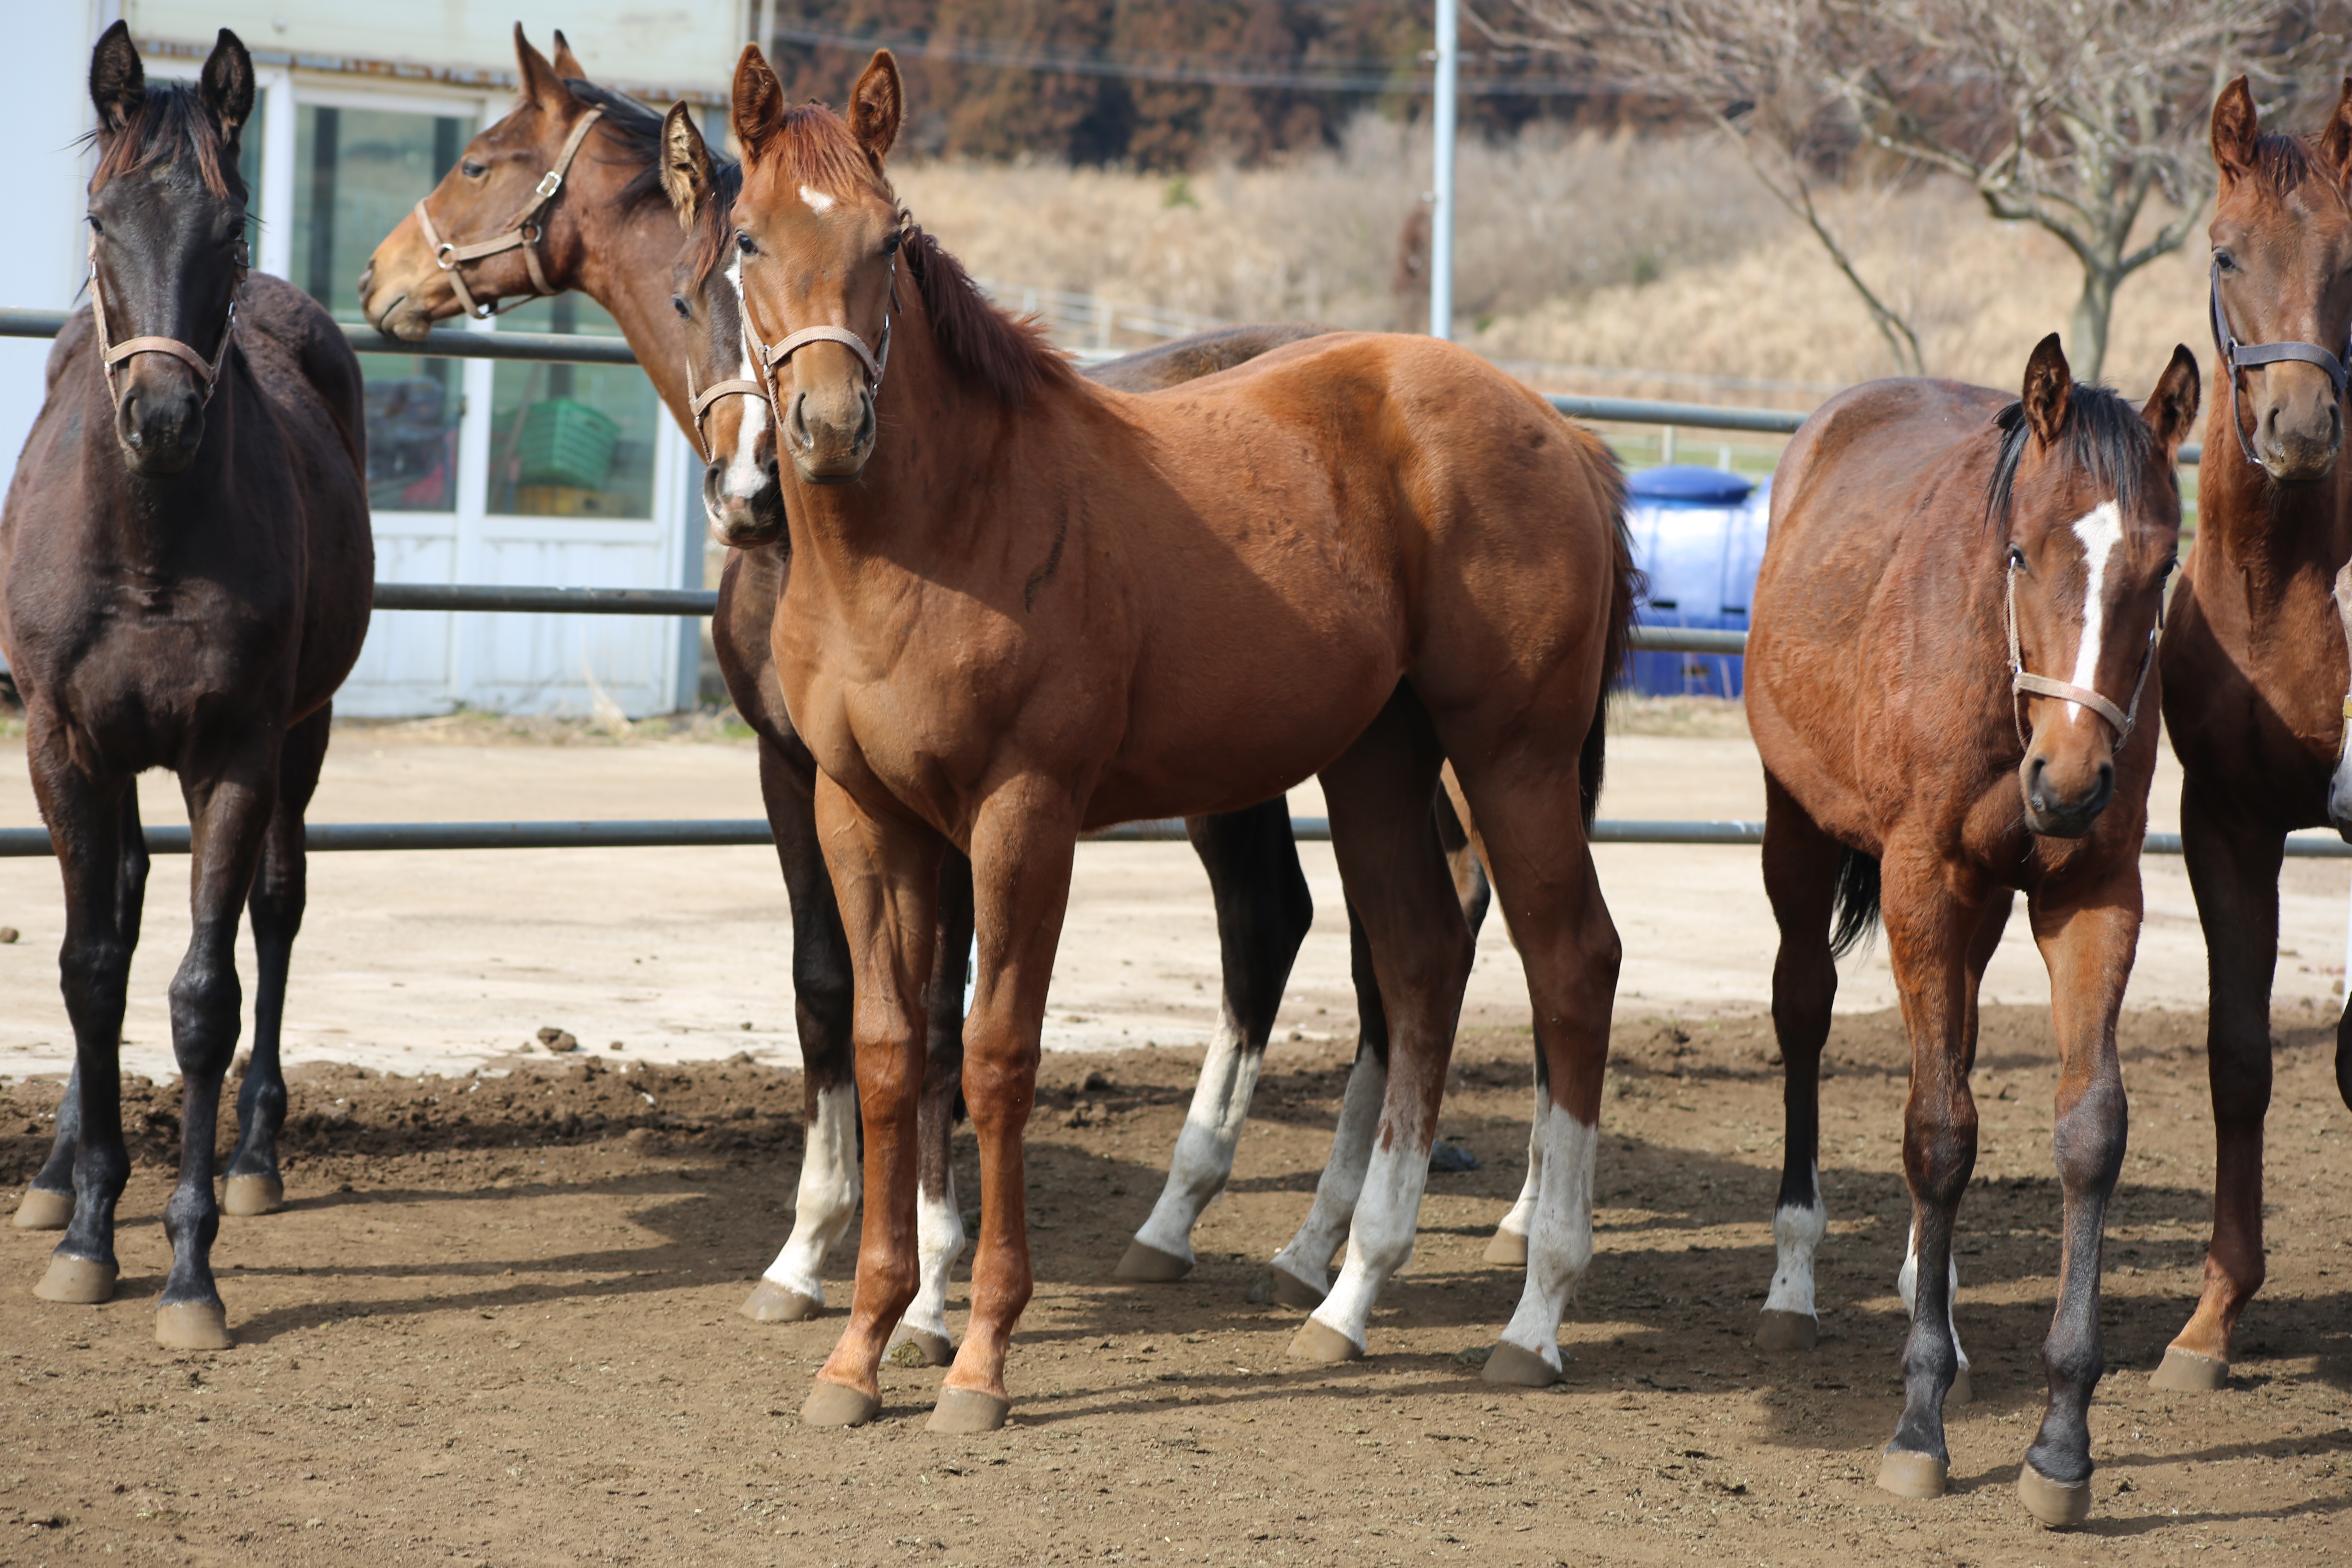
<point x="797" y="426"/>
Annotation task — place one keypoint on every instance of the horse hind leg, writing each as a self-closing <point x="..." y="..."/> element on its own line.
<point x="1802" y="878"/>
<point x="922" y="1333"/>
<point x="1263" y="912"/>
<point x="252" y="1185"/>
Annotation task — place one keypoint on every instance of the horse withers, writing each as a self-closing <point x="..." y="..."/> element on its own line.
<point x="185" y="570"/>
<point x="1949" y="680"/>
<point x="2255" y="670"/>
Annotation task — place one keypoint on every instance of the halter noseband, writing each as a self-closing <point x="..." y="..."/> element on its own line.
<point x="2237" y="356"/>
<point x="523" y="234"/>
<point x="702" y="400"/>
<point x="112" y="354"/>
<point x="2022" y="684"/>
<point x="771" y="358"/>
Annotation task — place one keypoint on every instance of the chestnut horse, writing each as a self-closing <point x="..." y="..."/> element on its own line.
<point x="185" y="594"/>
<point x="2255" y="662"/>
<point x="1937" y="553"/>
<point x="611" y="234"/>
<point x="1022" y="606"/>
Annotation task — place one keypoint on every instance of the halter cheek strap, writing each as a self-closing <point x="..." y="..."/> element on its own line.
<point x="702" y="400"/>
<point x="112" y="353"/>
<point x="523" y="234"/>
<point x="771" y="358"/>
<point x="2022" y="684"/>
<point x="2237" y="356"/>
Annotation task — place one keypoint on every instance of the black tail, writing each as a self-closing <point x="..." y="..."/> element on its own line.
<point x="1593" y="761"/>
<point x="1855" y="905"/>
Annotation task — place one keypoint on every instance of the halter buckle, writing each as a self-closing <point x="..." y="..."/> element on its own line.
<point x="548" y="184"/>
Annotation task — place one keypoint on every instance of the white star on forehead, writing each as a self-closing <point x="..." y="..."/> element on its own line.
<point x="818" y="202"/>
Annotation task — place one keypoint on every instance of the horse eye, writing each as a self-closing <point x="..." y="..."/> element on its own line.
<point x="685" y="311"/>
<point x="2016" y="557"/>
<point x="96" y="226"/>
<point x="743" y="243"/>
<point x="472" y="170"/>
<point x="2225" y="261"/>
<point x="890" y="244"/>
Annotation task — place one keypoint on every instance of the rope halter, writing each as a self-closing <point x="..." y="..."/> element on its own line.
<point x="113" y="353"/>
<point x="523" y="234"/>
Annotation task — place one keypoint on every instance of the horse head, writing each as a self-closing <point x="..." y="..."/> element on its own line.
<point x="167" y="242"/>
<point x="817" y="233"/>
<point x="733" y="427"/>
<point x="2282" y="236"/>
<point x="2089" y="513"/>
<point x="475" y="240"/>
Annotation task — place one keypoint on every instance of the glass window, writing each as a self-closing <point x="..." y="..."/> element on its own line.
<point x="363" y="169"/>
<point x="572" y="440"/>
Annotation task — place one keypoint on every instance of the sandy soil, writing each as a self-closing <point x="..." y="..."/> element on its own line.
<point x="496" y="1326"/>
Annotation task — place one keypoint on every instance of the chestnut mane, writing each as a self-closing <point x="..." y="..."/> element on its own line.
<point x="2284" y="163"/>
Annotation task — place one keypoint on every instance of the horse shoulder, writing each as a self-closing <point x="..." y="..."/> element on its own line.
<point x="301" y="356"/>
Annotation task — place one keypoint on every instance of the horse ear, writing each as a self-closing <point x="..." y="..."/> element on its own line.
<point x="2049" y="385"/>
<point x="2172" y="407"/>
<point x="759" y="106"/>
<point x="227" y="83"/>
<point x="686" y="162"/>
<point x="117" y="82"/>
<point x="2336" y="142"/>
<point x="2235" y="127"/>
<point x="877" y="105"/>
<point x="539" y="83"/>
<point x="567" y="64"/>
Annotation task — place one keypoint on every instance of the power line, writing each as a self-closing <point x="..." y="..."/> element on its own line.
<point x="1363" y="75"/>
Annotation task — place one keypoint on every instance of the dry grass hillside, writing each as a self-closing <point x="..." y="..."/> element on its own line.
<point x="1573" y="249"/>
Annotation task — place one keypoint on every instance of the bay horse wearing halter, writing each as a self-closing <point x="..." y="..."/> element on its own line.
<point x="1938" y="553"/>
<point x="187" y="573"/>
<point x="608" y="232"/>
<point x="1023" y="606"/>
<point x="2254" y="663"/>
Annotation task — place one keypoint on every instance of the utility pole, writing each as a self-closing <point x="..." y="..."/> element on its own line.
<point x="1441" y="198"/>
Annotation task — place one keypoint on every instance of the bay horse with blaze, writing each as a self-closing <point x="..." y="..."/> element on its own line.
<point x="185" y="571"/>
<point x="1022" y="606"/>
<point x="1937" y="552"/>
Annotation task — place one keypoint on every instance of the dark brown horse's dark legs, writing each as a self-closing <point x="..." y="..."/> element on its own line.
<point x="939" y="1224"/>
<point x="281" y="890"/>
<point x="1800" y="869"/>
<point x="2233" y="869"/>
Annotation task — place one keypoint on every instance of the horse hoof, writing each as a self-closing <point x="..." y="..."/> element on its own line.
<point x="1912" y="1475"/>
<point x="1786" y="1331"/>
<point x="769" y="1302"/>
<point x="79" y="1280"/>
<point x="1318" y="1340"/>
<point x="252" y="1195"/>
<point x="192" y="1326"/>
<point x="45" y="1210"/>
<point x="2053" y="1504"/>
<point x="968" y="1410"/>
<point x="1291" y="1291"/>
<point x="2186" y="1372"/>
<point x="1507" y="1249"/>
<point x="1147" y="1265"/>
<point x="1962" y="1391"/>
<point x="831" y="1403"/>
<point x="1508" y="1363"/>
<point x="920" y="1347"/>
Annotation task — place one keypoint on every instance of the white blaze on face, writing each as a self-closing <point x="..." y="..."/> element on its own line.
<point x="818" y="202"/>
<point x="2100" y="530"/>
<point x="745" y="476"/>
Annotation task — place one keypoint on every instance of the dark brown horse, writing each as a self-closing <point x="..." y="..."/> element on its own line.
<point x="1953" y="631"/>
<point x="187" y="567"/>
<point x="611" y="234"/>
<point x="2255" y="662"/>
<point x="1022" y="606"/>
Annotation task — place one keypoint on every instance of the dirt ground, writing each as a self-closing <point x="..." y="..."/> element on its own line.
<point x="497" y="1326"/>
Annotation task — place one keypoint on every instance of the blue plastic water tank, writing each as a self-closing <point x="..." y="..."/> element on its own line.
<point x="1698" y="534"/>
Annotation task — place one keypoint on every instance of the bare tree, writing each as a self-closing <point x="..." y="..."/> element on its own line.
<point x="2069" y="114"/>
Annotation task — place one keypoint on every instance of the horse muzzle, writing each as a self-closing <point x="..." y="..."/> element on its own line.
<point x="395" y="310"/>
<point x="740" y="521"/>
<point x="830" y="434"/>
<point x="2062" y="801"/>
<point x="160" y="427"/>
<point x="2298" y="435"/>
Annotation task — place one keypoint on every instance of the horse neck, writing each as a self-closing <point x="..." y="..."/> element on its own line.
<point x="156" y="523"/>
<point x="2263" y="534"/>
<point x="623" y="260"/>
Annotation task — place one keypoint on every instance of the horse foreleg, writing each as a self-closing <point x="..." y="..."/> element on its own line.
<point x="253" y="1186"/>
<point x="2233" y="869"/>
<point x="938" y="1224"/>
<point x="2087" y="938"/>
<point x="1263" y="912"/>
<point x="1298" y="1274"/>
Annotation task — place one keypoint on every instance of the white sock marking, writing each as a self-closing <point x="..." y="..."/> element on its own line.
<point x="1560" y="1243"/>
<point x="1906" y="1285"/>
<point x="830" y="1179"/>
<point x="1308" y="1256"/>
<point x="1388" y="1211"/>
<point x="1796" y="1233"/>
<point x="2100" y="530"/>
<point x="938" y="1242"/>
<point x="1204" y="1160"/>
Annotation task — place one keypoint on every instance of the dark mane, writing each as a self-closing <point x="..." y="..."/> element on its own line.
<point x="171" y="124"/>
<point x="2103" y="433"/>
<point x="1011" y="358"/>
<point x="714" y="222"/>
<point x="638" y="130"/>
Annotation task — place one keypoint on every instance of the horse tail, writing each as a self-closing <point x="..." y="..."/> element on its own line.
<point x="1627" y="586"/>
<point x="1855" y="903"/>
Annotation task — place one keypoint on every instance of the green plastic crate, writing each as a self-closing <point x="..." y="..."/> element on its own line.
<point x="566" y="443"/>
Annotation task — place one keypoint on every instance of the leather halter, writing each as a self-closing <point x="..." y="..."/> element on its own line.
<point x="771" y="358"/>
<point x="2236" y="356"/>
<point x="523" y="234"/>
<point x="2022" y="684"/>
<point x="703" y="399"/>
<point x="111" y="353"/>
